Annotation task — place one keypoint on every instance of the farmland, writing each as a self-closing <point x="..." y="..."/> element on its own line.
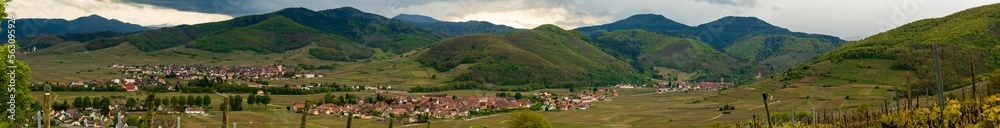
<point x="634" y="108"/>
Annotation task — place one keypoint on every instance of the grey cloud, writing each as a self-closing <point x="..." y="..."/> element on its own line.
<point x="227" y="7"/>
<point x="576" y="13"/>
<point x="743" y="3"/>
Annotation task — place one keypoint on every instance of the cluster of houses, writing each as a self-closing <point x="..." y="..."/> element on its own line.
<point x="87" y="118"/>
<point x="436" y="106"/>
<point x="681" y="86"/>
<point x="73" y="117"/>
<point x="189" y="72"/>
<point x="130" y="83"/>
<point x="575" y="101"/>
<point x="93" y="118"/>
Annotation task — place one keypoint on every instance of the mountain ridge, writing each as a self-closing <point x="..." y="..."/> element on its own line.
<point x="544" y="55"/>
<point x="454" y="28"/>
<point x="80" y="25"/>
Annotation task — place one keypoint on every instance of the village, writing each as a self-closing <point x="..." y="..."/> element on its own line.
<point x="189" y="72"/>
<point x="682" y="86"/>
<point x="402" y="109"/>
<point x="408" y="109"/>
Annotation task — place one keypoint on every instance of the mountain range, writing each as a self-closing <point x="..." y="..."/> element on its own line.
<point x="640" y="46"/>
<point x="42" y="33"/>
<point x="454" y="28"/>
<point x="86" y="24"/>
<point x="756" y="46"/>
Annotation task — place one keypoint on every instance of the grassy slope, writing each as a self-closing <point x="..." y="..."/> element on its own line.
<point x="966" y="38"/>
<point x="646" y="50"/>
<point x="866" y="72"/>
<point x="70" y="61"/>
<point x="546" y="54"/>
<point x="773" y="53"/>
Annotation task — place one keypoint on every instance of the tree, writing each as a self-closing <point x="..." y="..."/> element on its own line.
<point x="369" y="100"/>
<point x="267" y="99"/>
<point x="205" y="101"/>
<point x="251" y="99"/>
<point x="157" y="102"/>
<point x="96" y="103"/>
<point x="181" y="101"/>
<point x="239" y="103"/>
<point x="194" y="101"/>
<point x="85" y="103"/>
<point x="527" y="119"/>
<point x="235" y="103"/>
<point x="348" y="99"/>
<point x="78" y="102"/>
<point x="262" y="98"/>
<point x="173" y="101"/>
<point x="518" y="96"/>
<point x="130" y="103"/>
<point x="105" y="102"/>
<point x="328" y="97"/>
<point x="64" y="105"/>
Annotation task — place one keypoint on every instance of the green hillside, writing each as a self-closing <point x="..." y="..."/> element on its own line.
<point x="280" y="34"/>
<point x="545" y="55"/>
<point x="649" y="22"/>
<point x="731" y="29"/>
<point x="306" y="25"/>
<point x="454" y="28"/>
<point x="757" y="46"/>
<point x="965" y="39"/>
<point x="772" y="53"/>
<point x="646" y="50"/>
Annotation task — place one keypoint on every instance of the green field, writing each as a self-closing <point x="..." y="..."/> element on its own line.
<point x="634" y="108"/>
<point x="70" y="62"/>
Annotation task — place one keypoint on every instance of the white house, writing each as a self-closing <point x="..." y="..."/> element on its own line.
<point x="194" y="110"/>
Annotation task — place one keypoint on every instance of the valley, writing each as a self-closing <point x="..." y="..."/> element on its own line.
<point x="347" y="67"/>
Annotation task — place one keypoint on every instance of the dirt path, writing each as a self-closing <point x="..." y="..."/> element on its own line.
<point x="713" y="118"/>
<point x="763" y="105"/>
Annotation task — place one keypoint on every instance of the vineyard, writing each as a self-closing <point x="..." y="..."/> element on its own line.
<point x="978" y="112"/>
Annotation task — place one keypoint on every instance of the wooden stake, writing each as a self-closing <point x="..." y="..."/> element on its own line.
<point x="767" y="110"/>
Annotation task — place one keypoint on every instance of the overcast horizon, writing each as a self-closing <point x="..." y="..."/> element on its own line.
<point x="847" y="19"/>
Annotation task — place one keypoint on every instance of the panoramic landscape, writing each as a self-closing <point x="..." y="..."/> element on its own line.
<point x="515" y="64"/>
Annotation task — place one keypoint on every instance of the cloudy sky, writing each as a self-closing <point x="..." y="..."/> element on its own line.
<point x="848" y="19"/>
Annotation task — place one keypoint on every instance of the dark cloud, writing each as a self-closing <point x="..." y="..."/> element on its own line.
<point x="227" y="7"/>
<point x="743" y="3"/>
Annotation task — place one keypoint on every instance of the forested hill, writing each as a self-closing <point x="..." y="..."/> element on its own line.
<point x="649" y="22"/>
<point x="758" y="47"/>
<point x="646" y="50"/>
<point x="367" y="29"/>
<point x="545" y="55"/>
<point x="86" y="24"/>
<point x="454" y="28"/>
